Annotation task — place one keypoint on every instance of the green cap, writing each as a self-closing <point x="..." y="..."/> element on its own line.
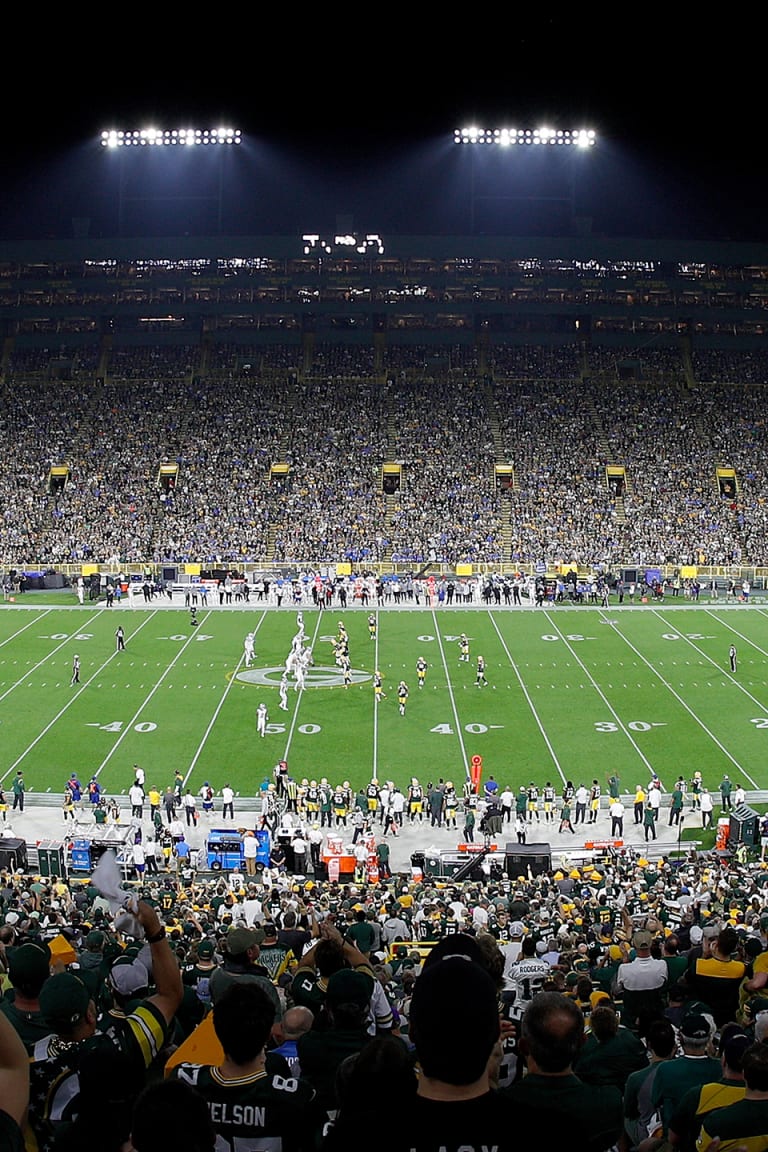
<point x="64" y="1001"/>
<point x="30" y="964"/>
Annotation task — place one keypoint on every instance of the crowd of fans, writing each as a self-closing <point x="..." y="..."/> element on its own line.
<point x="445" y="426"/>
<point x="621" y="1002"/>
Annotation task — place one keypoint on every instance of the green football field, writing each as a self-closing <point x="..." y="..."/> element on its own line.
<point x="572" y="694"/>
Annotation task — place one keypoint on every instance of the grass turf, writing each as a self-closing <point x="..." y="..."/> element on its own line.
<point x="572" y="694"/>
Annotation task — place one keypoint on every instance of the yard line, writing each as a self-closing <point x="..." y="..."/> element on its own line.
<point x="219" y="706"/>
<point x="375" y="768"/>
<point x="69" y="702"/>
<point x="292" y="729"/>
<point x="604" y="698"/>
<point x="687" y="707"/>
<point x="129" y="727"/>
<point x="98" y="616"/>
<point x="450" y="693"/>
<point x="721" y="620"/>
<point x="35" y="621"/>
<point x="724" y="672"/>
<point x="531" y="704"/>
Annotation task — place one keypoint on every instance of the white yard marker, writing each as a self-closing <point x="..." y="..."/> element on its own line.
<point x="604" y="698"/>
<point x="219" y="707"/>
<point x="40" y="663"/>
<point x="35" y="620"/>
<point x="294" y="718"/>
<point x="527" y="695"/>
<point x="69" y="703"/>
<point x="129" y="726"/>
<point x="687" y="707"/>
<point x="450" y="693"/>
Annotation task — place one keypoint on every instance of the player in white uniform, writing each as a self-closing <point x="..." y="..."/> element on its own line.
<point x="248" y="649"/>
<point x="262" y="716"/>
<point x="299" y="673"/>
<point x="283" y="689"/>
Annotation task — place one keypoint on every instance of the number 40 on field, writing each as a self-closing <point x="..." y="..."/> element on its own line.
<point x="473" y="729"/>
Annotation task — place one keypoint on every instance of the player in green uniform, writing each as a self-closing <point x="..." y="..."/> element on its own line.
<point x="421" y="670"/>
<point x="372" y="797"/>
<point x="340" y="805"/>
<point x="415" y="801"/>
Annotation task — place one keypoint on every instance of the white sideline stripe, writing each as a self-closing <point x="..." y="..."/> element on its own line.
<point x="40" y="663"/>
<point x="604" y="698"/>
<point x="219" y="706"/>
<point x="531" y="704"/>
<point x="320" y="617"/>
<point x="375" y="767"/>
<point x="69" y="702"/>
<point x="129" y="726"/>
<point x="450" y="693"/>
<point x="35" y="621"/>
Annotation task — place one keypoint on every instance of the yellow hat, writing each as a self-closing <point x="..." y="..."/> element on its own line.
<point x="614" y="952"/>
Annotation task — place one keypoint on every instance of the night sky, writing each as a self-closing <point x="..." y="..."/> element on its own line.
<point x="349" y="120"/>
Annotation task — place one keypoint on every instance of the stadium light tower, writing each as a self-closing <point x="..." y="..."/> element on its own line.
<point x="151" y="139"/>
<point x="164" y="138"/>
<point x="557" y="139"/>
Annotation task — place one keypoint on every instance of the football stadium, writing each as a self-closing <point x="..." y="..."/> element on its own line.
<point x="383" y="647"/>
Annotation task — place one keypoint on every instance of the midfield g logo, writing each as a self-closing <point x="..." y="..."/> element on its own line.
<point x="319" y="676"/>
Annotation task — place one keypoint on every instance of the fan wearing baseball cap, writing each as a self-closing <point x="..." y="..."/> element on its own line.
<point x="198" y="975"/>
<point x="70" y="1014"/>
<point x="692" y="1110"/>
<point x="643" y="982"/>
<point x="456" y="1030"/>
<point x="696" y="1066"/>
<point x="321" y="1051"/>
<point x="29" y="966"/>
